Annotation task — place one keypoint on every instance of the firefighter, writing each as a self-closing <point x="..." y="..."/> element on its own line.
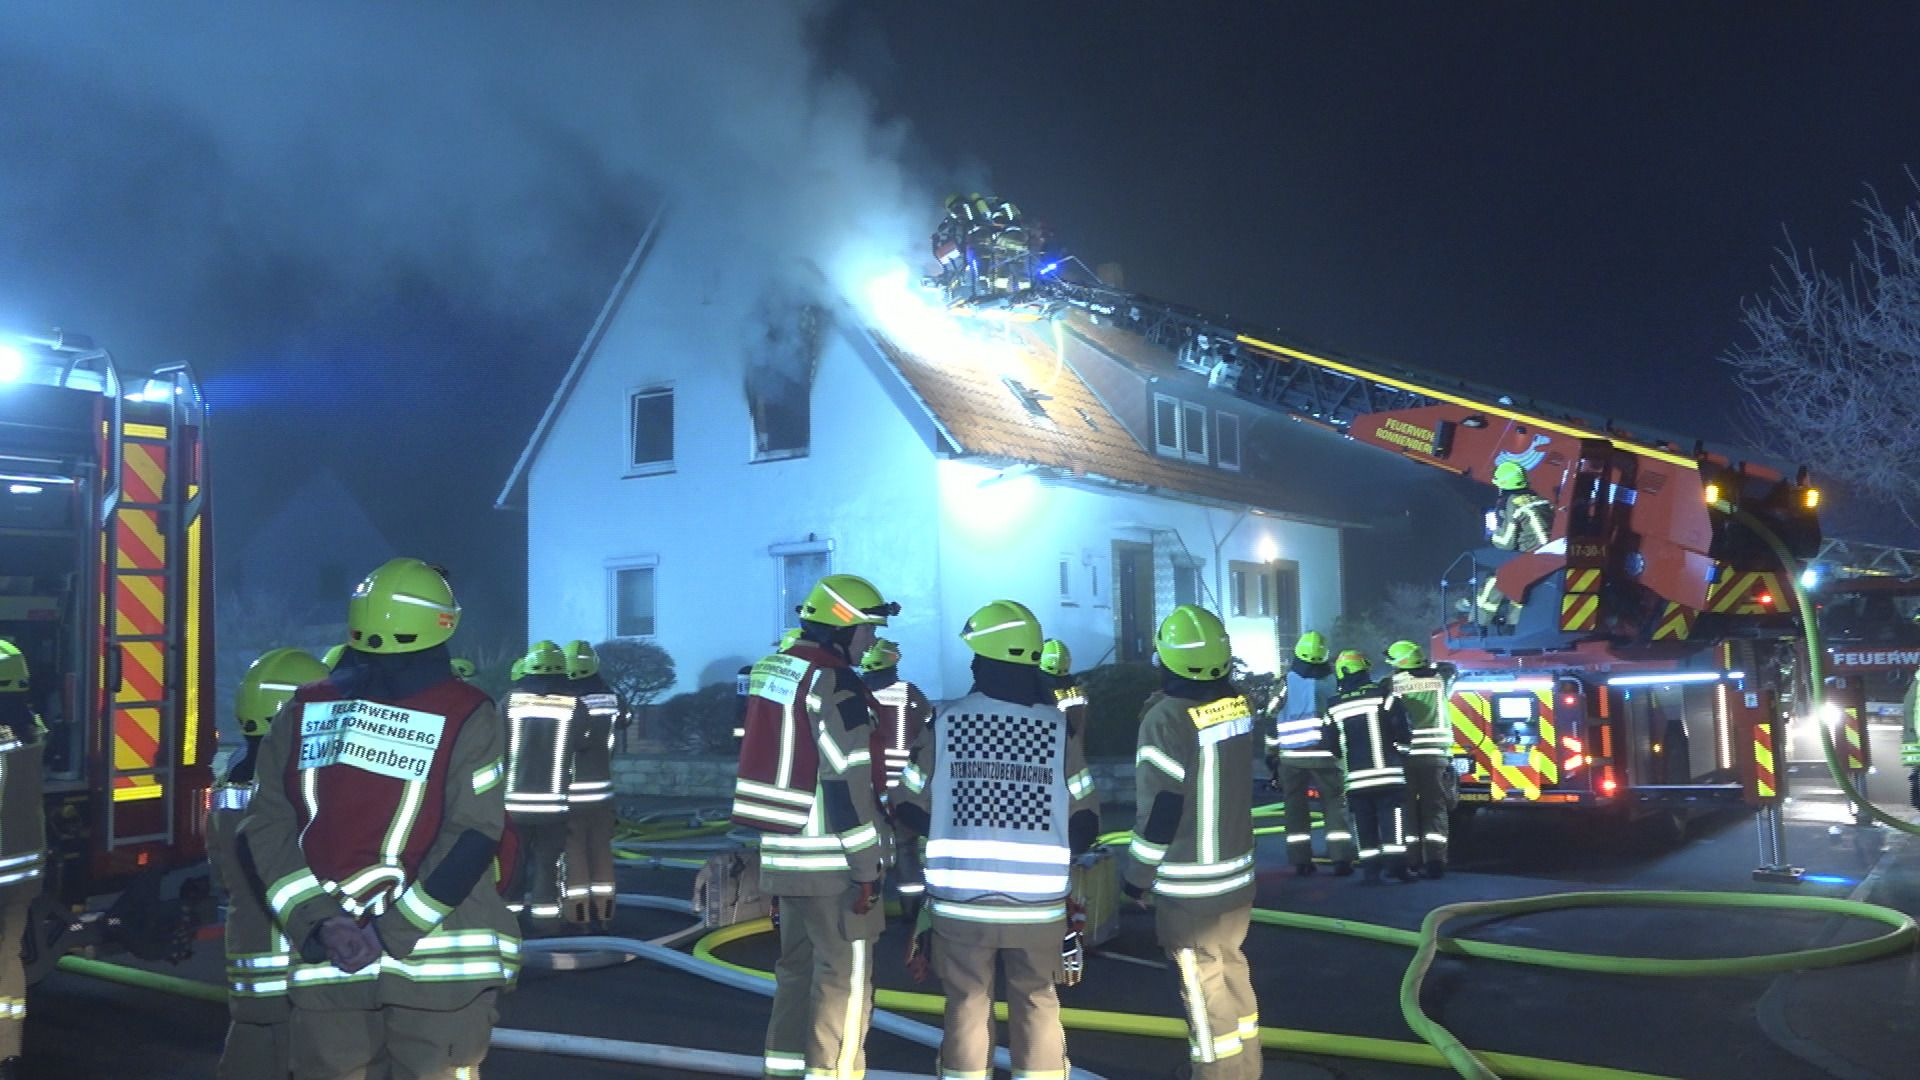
<point x="1193" y="841"/>
<point x="258" y="954"/>
<point x="590" y="808"/>
<point x="1910" y="739"/>
<point x="821" y="855"/>
<point x="902" y="715"/>
<point x="742" y="684"/>
<point x="543" y="716"/>
<point x="23" y="842"/>
<point x="1307" y="758"/>
<point x="1522" y="522"/>
<point x="1421" y="689"/>
<point x="374" y="829"/>
<point x="999" y="868"/>
<point x="331" y="658"/>
<point x="1056" y="669"/>
<point x="1372" y="729"/>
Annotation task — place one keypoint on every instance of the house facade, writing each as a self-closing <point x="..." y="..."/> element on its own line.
<point x="691" y="479"/>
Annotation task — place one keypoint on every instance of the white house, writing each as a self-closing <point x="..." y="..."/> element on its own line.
<point x="689" y="481"/>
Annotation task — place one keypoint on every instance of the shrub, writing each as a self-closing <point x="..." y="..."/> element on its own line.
<point x="1115" y="693"/>
<point x="639" y="671"/>
<point x="697" y="723"/>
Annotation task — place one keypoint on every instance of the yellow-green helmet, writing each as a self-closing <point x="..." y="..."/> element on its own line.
<point x="582" y="661"/>
<point x="846" y="600"/>
<point x="404" y="606"/>
<point x="1004" y="630"/>
<point x="518" y="671"/>
<point x="1055" y="658"/>
<point x="462" y="667"/>
<point x="882" y="654"/>
<point x="333" y="655"/>
<point x="1406" y="654"/>
<point x="13" y="668"/>
<point x="269" y="684"/>
<point x="788" y="639"/>
<point x="1351" y="661"/>
<point x="1193" y="644"/>
<point x="1311" y="648"/>
<point x="544" y="658"/>
<point x="1509" y="476"/>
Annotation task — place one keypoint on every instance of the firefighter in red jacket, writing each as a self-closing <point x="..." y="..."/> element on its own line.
<point x="378" y="816"/>
<point x="806" y="781"/>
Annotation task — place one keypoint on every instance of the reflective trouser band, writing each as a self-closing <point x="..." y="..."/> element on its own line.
<point x="781" y="1063"/>
<point x="1000" y="913"/>
<point x="13" y="1008"/>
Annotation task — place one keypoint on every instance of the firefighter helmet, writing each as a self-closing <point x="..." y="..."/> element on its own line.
<point x="880" y="655"/>
<point x="846" y="600"/>
<point x="1193" y="644"/>
<point x="1004" y="630"/>
<point x="582" y="661"/>
<point x="403" y="606"/>
<point x="1055" y="658"/>
<point x="1311" y="648"/>
<point x="1509" y="476"/>
<point x="1406" y="654"/>
<point x="332" y="656"/>
<point x="788" y="639"/>
<point x="463" y="668"/>
<point x="544" y="658"/>
<point x="13" y="668"/>
<point x="1350" y="662"/>
<point x="518" y="671"/>
<point x="269" y="684"/>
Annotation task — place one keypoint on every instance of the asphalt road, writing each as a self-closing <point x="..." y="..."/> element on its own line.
<point x="1852" y="1022"/>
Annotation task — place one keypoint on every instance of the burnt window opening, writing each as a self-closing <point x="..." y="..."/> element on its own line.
<point x="1033" y="401"/>
<point x="783" y="356"/>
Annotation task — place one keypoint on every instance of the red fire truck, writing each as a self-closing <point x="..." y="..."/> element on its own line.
<point x="106" y="586"/>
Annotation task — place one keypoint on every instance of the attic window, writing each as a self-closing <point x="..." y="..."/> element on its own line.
<point x="1030" y="400"/>
<point x="783" y="354"/>
<point x="1087" y="417"/>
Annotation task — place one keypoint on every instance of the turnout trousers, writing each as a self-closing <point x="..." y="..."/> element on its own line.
<point x="1426" y="819"/>
<point x="589" y="877"/>
<point x="1379" y="825"/>
<point x="256" y="1051"/>
<point x="1028" y="955"/>
<point x="543" y="843"/>
<point x="14" y="906"/>
<point x="822" y="988"/>
<point x="1204" y="947"/>
<point x="1330" y="780"/>
<point x="414" y="1044"/>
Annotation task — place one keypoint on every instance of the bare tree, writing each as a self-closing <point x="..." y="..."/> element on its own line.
<point x="1832" y="375"/>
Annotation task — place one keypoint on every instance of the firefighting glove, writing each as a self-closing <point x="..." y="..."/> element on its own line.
<point x="920" y="946"/>
<point x="1273" y="771"/>
<point x="1073" y="951"/>
<point x="869" y="893"/>
<point x="347" y="947"/>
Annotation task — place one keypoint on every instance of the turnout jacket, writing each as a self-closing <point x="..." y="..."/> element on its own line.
<point x="1193" y="776"/>
<point x="839" y="843"/>
<point x="1371" y="727"/>
<point x="259" y="956"/>
<point x="544" y="722"/>
<point x="1006" y="802"/>
<point x="596" y="727"/>
<point x="1299" y="733"/>
<point x="900" y="714"/>
<point x="1422" y="693"/>
<point x="1523" y="522"/>
<point x="395" y="824"/>
<point x="23" y="826"/>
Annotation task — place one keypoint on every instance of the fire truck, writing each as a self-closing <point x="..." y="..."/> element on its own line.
<point x="1645" y="672"/>
<point x="106" y="585"/>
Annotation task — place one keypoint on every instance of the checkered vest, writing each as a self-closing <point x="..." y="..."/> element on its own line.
<point x="1000" y="804"/>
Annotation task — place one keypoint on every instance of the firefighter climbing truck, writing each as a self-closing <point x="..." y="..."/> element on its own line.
<point x="106" y="586"/>
<point x="1645" y="669"/>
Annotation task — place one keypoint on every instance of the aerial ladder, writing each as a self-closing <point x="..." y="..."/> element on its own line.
<point x="1652" y="652"/>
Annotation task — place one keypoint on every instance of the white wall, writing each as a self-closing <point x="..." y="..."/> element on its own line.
<point x="1003" y="536"/>
<point x="867" y="486"/>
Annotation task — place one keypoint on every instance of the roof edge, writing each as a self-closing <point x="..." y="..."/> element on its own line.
<point x="595" y="334"/>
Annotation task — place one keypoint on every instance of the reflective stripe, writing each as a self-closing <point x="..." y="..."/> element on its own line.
<point x="800" y="843"/>
<point x="999" y="913"/>
<point x="232" y="796"/>
<point x="859" y="839"/>
<point x="777" y="1063"/>
<point x="1213" y="869"/>
<point x="1339" y="836"/>
<point x="291" y="891"/>
<point x="1080" y="784"/>
<point x="810" y="863"/>
<point x="1019" y="886"/>
<point x="1159" y="759"/>
<point x="1148" y="853"/>
<point x="1199" y="1032"/>
<point x="423" y="911"/>
<point x="913" y="779"/>
<point x="1002" y="850"/>
<point x="853" y="1026"/>
<point x="486" y="779"/>
<point x="1203" y="888"/>
<point x="801" y="799"/>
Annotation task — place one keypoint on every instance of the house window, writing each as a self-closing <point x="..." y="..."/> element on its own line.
<point x="782" y="424"/>
<point x="1285" y="599"/>
<point x="1166" y="425"/>
<point x="650" y="430"/>
<point x="1066" y="580"/>
<point x="1228" y="440"/>
<point x="632" y="595"/>
<point x="1267" y="591"/>
<point x="801" y="566"/>
<point x="1194" y="432"/>
<point x="1099" y="567"/>
<point x="1237" y="584"/>
<point x="1186" y="582"/>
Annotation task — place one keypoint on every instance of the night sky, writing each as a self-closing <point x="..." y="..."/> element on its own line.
<point x="382" y="237"/>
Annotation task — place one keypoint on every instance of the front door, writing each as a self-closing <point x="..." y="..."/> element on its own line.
<point x="1133" y="600"/>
